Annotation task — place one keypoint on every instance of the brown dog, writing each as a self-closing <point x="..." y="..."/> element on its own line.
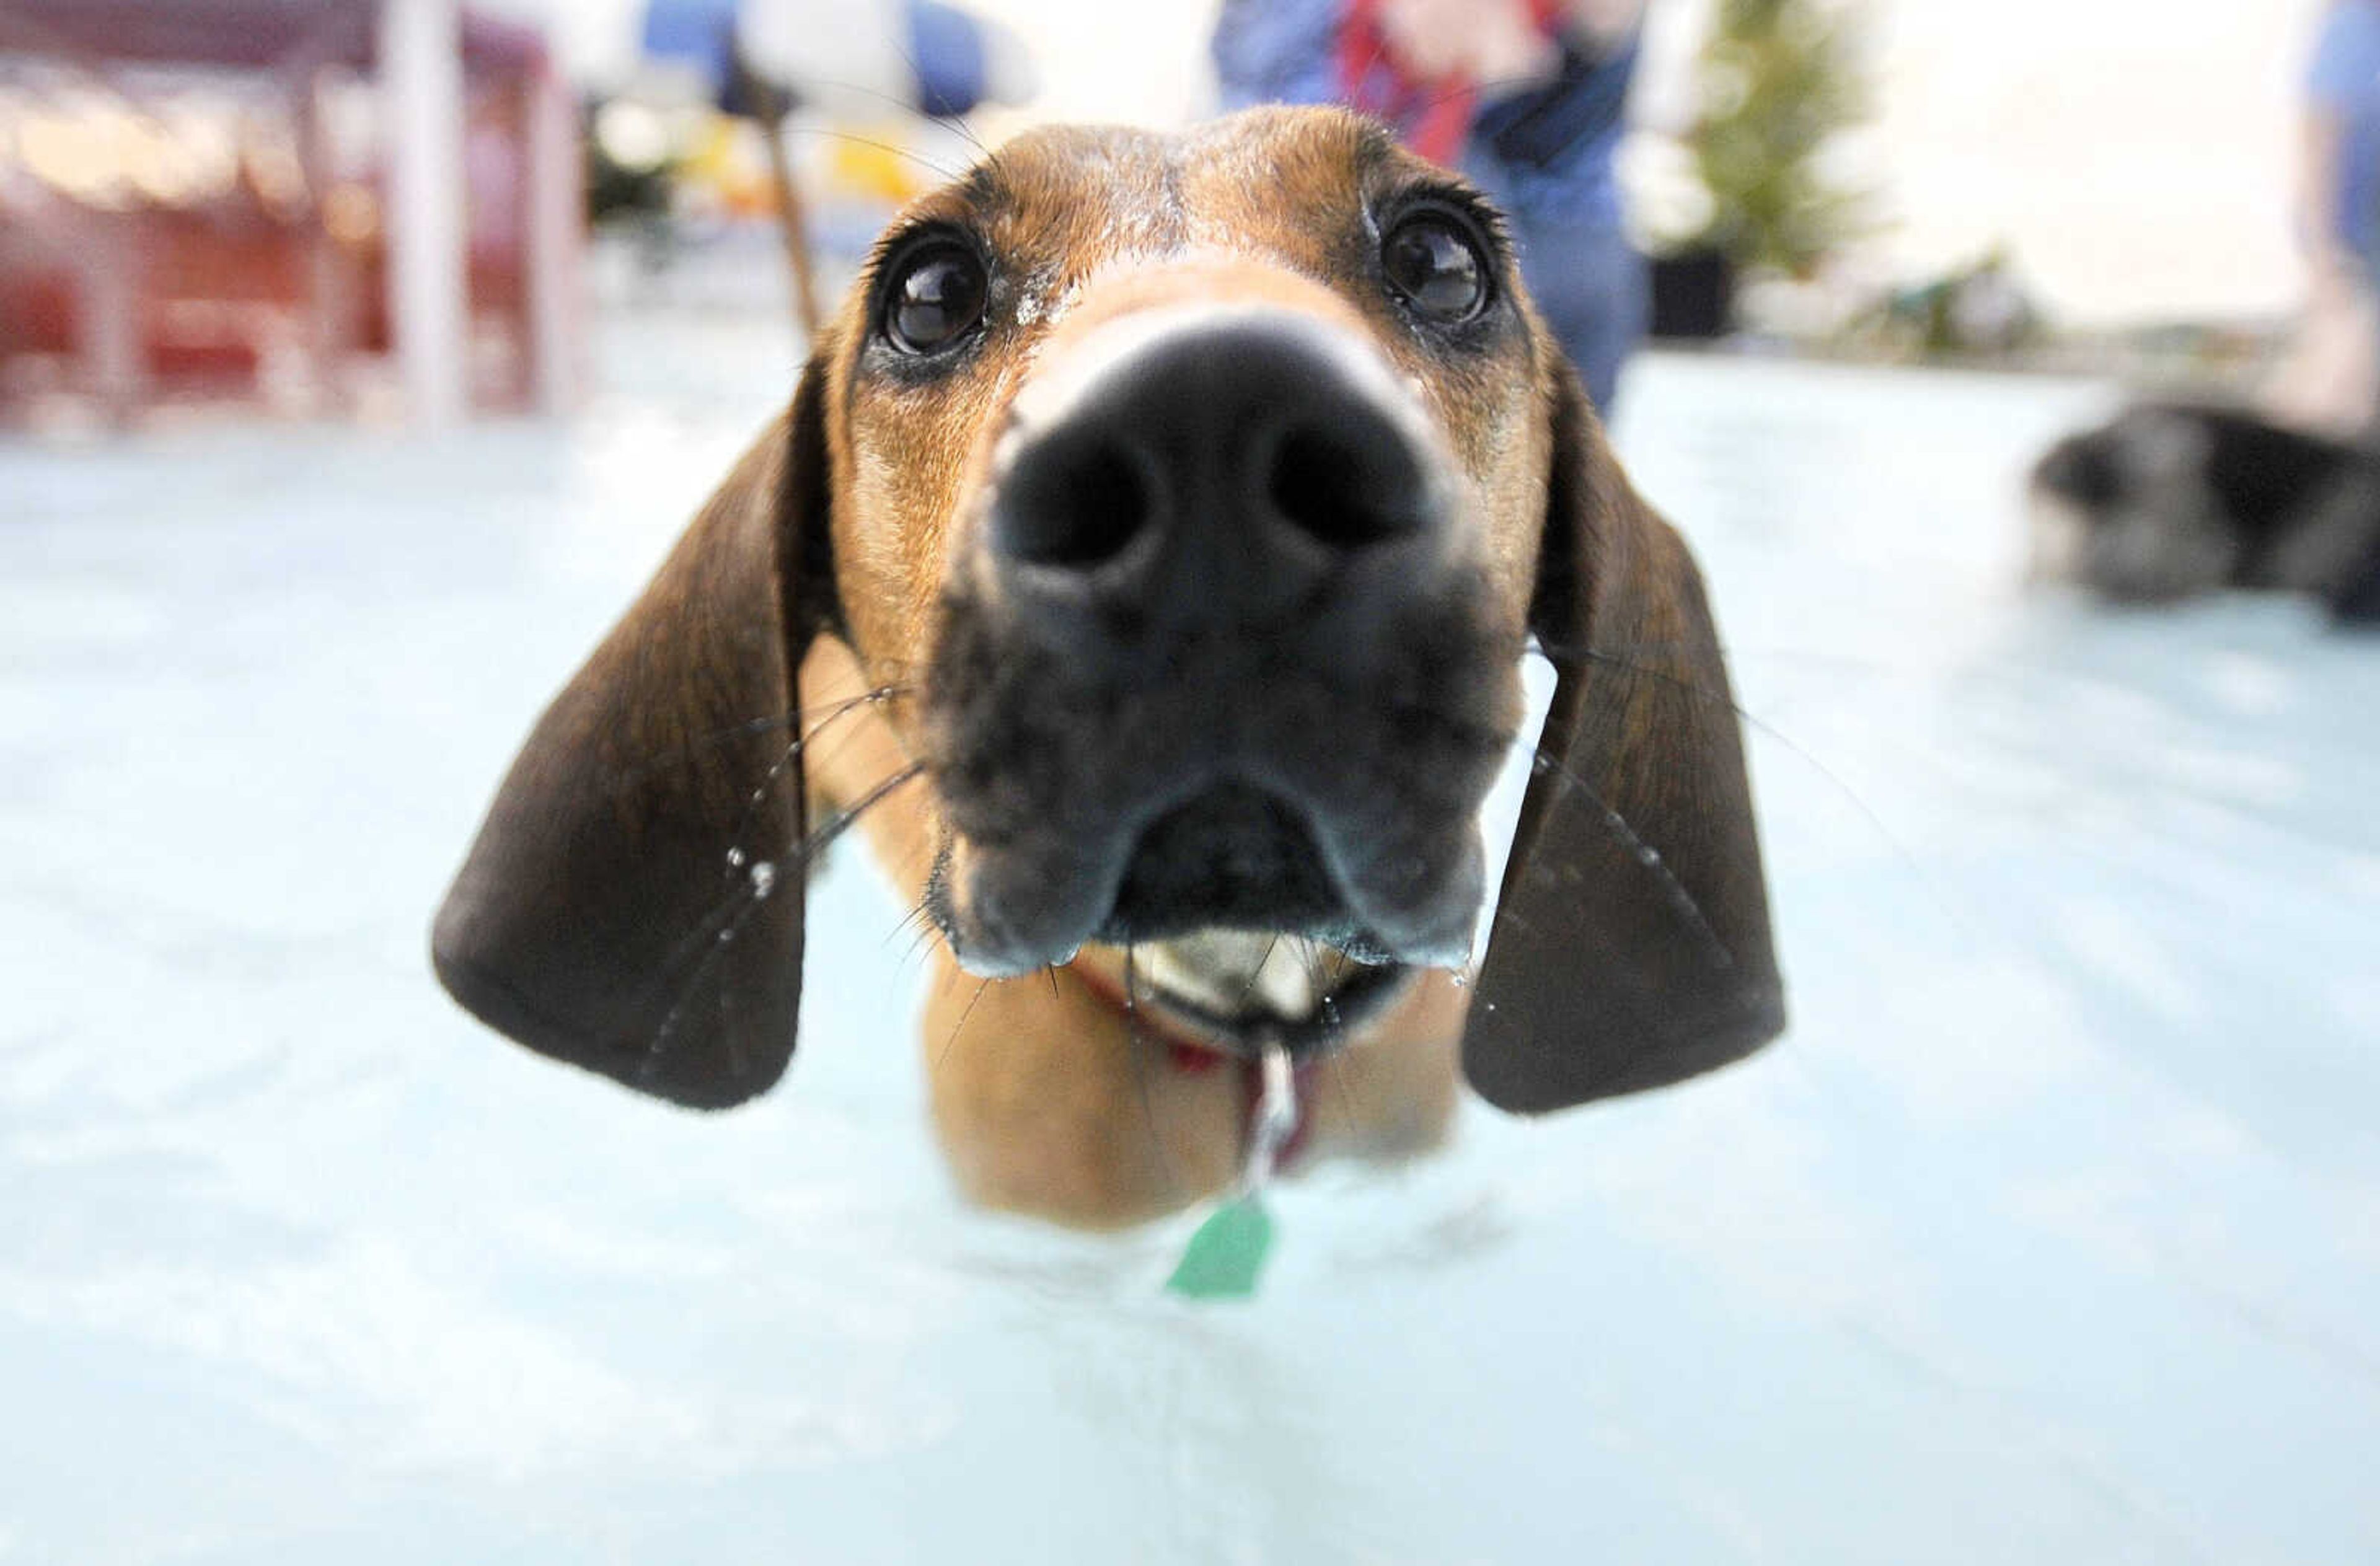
<point x="1146" y="561"/>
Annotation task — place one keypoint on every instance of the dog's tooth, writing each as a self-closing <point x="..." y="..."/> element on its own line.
<point x="1173" y="966"/>
<point x="1286" y="983"/>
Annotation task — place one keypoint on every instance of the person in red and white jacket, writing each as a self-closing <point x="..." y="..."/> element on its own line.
<point x="1527" y="97"/>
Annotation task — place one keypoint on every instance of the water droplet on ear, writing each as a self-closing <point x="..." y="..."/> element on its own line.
<point x="735" y="858"/>
<point x="1649" y="857"/>
<point x="725" y="936"/>
<point x="1460" y="981"/>
<point x="764" y="879"/>
<point x="1541" y="763"/>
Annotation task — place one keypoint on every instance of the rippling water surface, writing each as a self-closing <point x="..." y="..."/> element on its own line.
<point x="2050" y="1233"/>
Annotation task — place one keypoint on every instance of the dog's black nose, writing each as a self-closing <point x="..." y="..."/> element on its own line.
<point x="1252" y="473"/>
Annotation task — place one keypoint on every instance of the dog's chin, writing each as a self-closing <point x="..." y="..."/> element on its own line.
<point x="1233" y="871"/>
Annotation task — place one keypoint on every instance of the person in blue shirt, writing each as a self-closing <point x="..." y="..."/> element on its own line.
<point x="2342" y="154"/>
<point x="1527" y="97"/>
<point x="2330" y="378"/>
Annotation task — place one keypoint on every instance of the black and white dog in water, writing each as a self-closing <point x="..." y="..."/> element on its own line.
<point x="2172" y="499"/>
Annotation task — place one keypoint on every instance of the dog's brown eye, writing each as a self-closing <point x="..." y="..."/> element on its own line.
<point x="936" y="299"/>
<point x="1431" y="261"/>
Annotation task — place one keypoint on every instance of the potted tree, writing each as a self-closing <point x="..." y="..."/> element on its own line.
<point x="1777" y="81"/>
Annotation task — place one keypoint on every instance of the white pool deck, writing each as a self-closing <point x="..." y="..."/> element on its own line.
<point x="2050" y="1234"/>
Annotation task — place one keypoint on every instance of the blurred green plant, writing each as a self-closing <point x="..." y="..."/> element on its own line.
<point x="1779" y="79"/>
<point x="1981" y="310"/>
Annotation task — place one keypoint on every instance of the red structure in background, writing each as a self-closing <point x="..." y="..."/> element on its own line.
<point x="195" y="204"/>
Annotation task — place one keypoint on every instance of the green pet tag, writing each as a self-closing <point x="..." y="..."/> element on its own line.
<point x="1226" y="1254"/>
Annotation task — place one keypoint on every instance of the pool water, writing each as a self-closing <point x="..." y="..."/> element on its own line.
<point x="2051" y="1231"/>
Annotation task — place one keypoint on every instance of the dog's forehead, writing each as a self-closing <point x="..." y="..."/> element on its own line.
<point x="1063" y="202"/>
<point x="1079" y="225"/>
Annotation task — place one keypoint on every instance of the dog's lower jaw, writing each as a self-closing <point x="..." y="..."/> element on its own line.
<point x="1405" y="905"/>
<point x="1220" y="995"/>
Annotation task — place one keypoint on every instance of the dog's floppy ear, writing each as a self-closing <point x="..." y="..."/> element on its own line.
<point x="634" y="902"/>
<point x="1631" y="948"/>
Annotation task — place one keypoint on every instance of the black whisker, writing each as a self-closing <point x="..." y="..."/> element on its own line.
<point x="721" y="927"/>
<point x="1308" y="953"/>
<point x="1328" y="1008"/>
<point x="1240" y="1006"/>
<point x="908" y="922"/>
<point x="844" y="819"/>
<point x="919" y="929"/>
<point x="759" y="877"/>
<point x="834" y="710"/>
<point x="960" y="1027"/>
<point x="1337" y="1075"/>
<point x="1610" y="658"/>
<point x="948" y="122"/>
<point x="1644" y="853"/>
<point x="935" y="116"/>
<point x="1138" y="1049"/>
<point x="776" y="771"/>
<point x="919" y="159"/>
<point x="1371" y="61"/>
<point x="1482" y="91"/>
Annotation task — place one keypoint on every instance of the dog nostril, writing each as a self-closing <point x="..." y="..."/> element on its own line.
<point x="1077" y="508"/>
<point x="1334" y="492"/>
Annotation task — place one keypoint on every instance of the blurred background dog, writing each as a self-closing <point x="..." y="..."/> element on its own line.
<point x="2171" y="499"/>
